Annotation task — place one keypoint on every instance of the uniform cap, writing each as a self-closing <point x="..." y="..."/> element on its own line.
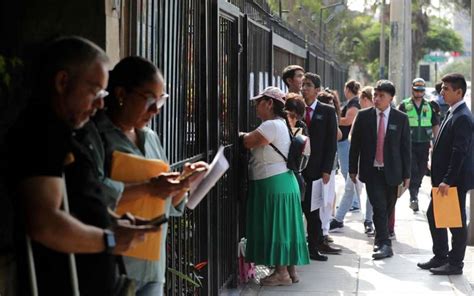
<point x="418" y="84"/>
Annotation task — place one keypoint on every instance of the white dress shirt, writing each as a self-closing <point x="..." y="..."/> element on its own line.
<point x="313" y="107"/>
<point x="386" y="113"/>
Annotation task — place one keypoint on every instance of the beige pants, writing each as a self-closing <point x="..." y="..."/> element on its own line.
<point x="7" y="275"/>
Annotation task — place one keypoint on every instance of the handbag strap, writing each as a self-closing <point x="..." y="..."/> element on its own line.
<point x="121" y="265"/>
<point x="279" y="152"/>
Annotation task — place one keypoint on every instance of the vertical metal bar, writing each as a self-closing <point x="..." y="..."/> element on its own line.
<point x="71" y="258"/>
<point x="31" y="267"/>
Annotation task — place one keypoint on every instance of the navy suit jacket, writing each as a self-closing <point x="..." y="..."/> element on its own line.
<point x="323" y="140"/>
<point x="452" y="161"/>
<point x="397" y="146"/>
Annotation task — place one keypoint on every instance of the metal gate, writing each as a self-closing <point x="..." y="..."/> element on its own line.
<point x="197" y="45"/>
<point x="224" y="117"/>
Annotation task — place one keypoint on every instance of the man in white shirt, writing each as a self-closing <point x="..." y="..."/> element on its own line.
<point x="380" y="155"/>
<point x="322" y="130"/>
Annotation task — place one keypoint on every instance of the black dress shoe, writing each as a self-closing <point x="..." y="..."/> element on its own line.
<point x="328" y="238"/>
<point x="446" y="269"/>
<point x="414" y="206"/>
<point x="376" y="248"/>
<point x="335" y="225"/>
<point x="325" y="248"/>
<point x="432" y="263"/>
<point x="383" y="252"/>
<point x="369" y="227"/>
<point x="317" y="256"/>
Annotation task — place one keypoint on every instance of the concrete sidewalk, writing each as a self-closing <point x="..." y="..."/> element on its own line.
<point x="355" y="273"/>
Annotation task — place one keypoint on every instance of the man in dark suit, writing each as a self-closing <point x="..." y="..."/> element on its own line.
<point x="322" y="129"/>
<point x="452" y="165"/>
<point x="380" y="155"/>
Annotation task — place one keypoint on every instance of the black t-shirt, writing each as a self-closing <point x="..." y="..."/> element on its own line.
<point x="42" y="145"/>
<point x="354" y="103"/>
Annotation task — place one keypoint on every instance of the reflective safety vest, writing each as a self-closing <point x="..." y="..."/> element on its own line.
<point x="420" y="125"/>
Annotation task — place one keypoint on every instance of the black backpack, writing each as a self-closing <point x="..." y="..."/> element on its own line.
<point x="298" y="157"/>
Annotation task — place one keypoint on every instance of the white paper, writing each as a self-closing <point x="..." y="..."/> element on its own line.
<point x="329" y="190"/>
<point x="217" y="168"/>
<point x="317" y="195"/>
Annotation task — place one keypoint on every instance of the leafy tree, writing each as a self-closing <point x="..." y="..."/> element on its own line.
<point x="441" y="37"/>
<point x="354" y="37"/>
<point x="462" y="66"/>
<point x="460" y="4"/>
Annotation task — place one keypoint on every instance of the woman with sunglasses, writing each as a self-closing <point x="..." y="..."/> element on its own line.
<point x="136" y="90"/>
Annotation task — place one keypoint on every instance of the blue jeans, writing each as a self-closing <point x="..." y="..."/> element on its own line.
<point x="346" y="203"/>
<point x="149" y="288"/>
<point x="343" y="148"/>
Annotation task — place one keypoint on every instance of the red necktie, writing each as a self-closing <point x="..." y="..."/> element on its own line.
<point x="380" y="140"/>
<point x="308" y="115"/>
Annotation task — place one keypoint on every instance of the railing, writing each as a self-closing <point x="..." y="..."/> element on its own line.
<point x="214" y="56"/>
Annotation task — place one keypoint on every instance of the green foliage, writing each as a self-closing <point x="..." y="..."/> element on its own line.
<point x="8" y="67"/>
<point x="273" y="4"/>
<point x="354" y="37"/>
<point x="196" y="283"/>
<point x="361" y="42"/>
<point x="459" y="4"/>
<point x="462" y="66"/>
<point x="308" y="5"/>
<point x="441" y="37"/>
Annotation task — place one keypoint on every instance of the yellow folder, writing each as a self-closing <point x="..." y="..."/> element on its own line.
<point x="447" y="212"/>
<point x="130" y="168"/>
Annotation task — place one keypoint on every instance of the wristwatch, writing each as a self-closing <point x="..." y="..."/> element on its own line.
<point x="109" y="240"/>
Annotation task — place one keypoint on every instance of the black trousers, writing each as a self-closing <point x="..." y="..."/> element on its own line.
<point x="419" y="163"/>
<point x="313" y="222"/>
<point x="383" y="197"/>
<point x="458" y="239"/>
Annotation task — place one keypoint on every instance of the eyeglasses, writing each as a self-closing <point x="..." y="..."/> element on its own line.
<point x="101" y="94"/>
<point x="151" y="100"/>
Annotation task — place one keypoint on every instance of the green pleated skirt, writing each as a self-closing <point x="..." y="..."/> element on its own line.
<point x="275" y="230"/>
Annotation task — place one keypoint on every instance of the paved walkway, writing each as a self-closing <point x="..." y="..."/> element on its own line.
<point x="355" y="273"/>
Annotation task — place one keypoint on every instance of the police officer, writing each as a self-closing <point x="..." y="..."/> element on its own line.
<point x="424" y="126"/>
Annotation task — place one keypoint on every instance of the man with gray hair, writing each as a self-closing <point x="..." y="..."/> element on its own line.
<point x="72" y="76"/>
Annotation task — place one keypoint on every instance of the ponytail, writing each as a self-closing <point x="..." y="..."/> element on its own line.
<point x="279" y="110"/>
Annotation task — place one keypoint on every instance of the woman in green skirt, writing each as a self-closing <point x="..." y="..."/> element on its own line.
<point x="275" y="232"/>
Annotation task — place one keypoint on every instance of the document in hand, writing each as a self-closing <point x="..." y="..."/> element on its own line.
<point x="217" y="168"/>
<point x="447" y="212"/>
<point x="130" y="168"/>
<point x="317" y="199"/>
<point x="329" y="190"/>
<point x="323" y="194"/>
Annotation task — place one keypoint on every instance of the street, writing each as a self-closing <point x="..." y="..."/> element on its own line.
<point x="355" y="273"/>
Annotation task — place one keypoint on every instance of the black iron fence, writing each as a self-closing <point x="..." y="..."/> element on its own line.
<point x="214" y="55"/>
